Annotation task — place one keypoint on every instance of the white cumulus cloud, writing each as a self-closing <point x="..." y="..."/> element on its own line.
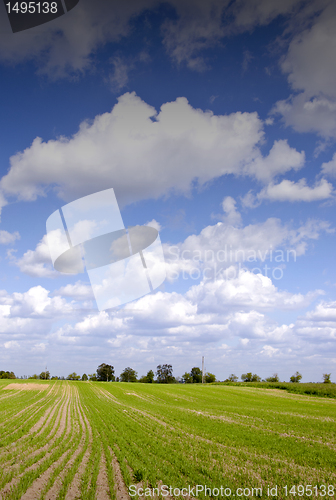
<point x="245" y="289"/>
<point x="296" y="191"/>
<point x="222" y="245"/>
<point x="142" y="153"/>
<point x="309" y="64"/>
<point x="36" y="263"/>
<point x="329" y="168"/>
<point x="280" y="159"/>
<point x="77" y="291"/>
<point x="6" y="238"/>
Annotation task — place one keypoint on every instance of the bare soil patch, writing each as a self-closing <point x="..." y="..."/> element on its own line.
<point x="102" y="485"/>
<point x="119" y="484"/>
<point x="28" y="387"/>
<point x="74" y="491"/>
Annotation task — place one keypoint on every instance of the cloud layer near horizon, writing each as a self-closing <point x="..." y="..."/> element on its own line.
<point x="167" y="323"/>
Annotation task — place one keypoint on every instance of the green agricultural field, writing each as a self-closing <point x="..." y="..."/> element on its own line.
<point x="84" y="440"/>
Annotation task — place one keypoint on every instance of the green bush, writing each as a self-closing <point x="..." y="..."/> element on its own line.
<point x="313" y="389"/>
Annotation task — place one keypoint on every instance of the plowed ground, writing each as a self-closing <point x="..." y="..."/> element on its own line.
<point x="84" y="440"/>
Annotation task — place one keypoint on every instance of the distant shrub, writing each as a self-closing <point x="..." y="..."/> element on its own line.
<point x="4" y="374"/>
<point x="312" y="389"/>
<point x="273" y="378"/>
<point x="296" y="377"/>
<point x="210" y="378"/>
<point x="249" y="377"/>
<point x="187" y="378"/>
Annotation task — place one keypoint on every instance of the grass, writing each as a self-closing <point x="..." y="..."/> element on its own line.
<point x="313" y="389"/>
<point x="235" y="436"/>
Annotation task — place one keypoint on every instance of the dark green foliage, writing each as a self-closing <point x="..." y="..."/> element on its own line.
<point x="196" y="374"/>
<point x="249" y="377"/>
<point x="138" y="475"/>
<point x="150" y="377"/>
<point x="147" y="379"/>
<point x="128" y="375"/>
<point x="326" y="378"/>
<point x="73" y="376"/>
<point x="4" y="374"/>
<point x="210" y="378"/>
<point x="273" y="378"/>
<point x="187" y="378"/>
<point x="164" y="374"/>
<point x="296" y="377"/>
<point x="84" y="377"/>
<point x="44" y="375"/>
<point x="105" y="373"/>
<point x="322" y="390"/>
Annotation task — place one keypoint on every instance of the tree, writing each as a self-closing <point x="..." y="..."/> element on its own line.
<point x="73" y="376"/>
<point x="45" y="375"/>
<point x="196" y="374"/>
<point x="147" y="379"/>
<point x="105" y="373"/>
<point x="54" y="377"/>
<point x="296" y="377"/>
<point x="35" y="376"/>
<point x="246" y="377"/>
<point x="273" y="378"/>
<point x="249" y="377"/>
<point x="210" y="377"/>
<point x="92" y="377"/>
<point x="4" y="374"/>
<point x="150" y="377"/>
<point x="187" y="378"/>
<point x="84" y="377"/>
<point x="128" y="375"/>
<point x="233" y="378"/>
<point x="326" y="378"/>
<point x="164" y="374"/>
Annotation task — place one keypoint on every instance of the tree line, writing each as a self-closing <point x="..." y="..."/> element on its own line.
<point x="106" y="373"/>
<point x="6" y="374"/>
<point x="253" y="377"/>
<point x="163" y="375"/>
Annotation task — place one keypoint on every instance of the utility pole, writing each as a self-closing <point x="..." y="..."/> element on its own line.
<point x="45" y="373"/>
<point x="202" y="369"/>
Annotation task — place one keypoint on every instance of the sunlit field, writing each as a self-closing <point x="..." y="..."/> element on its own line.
<point x="99" y="440"/>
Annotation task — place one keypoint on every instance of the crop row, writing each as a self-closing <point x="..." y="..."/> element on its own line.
<point x="92" y="440"/>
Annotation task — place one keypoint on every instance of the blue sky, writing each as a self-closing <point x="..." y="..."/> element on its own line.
<point x="214" y="122"/>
